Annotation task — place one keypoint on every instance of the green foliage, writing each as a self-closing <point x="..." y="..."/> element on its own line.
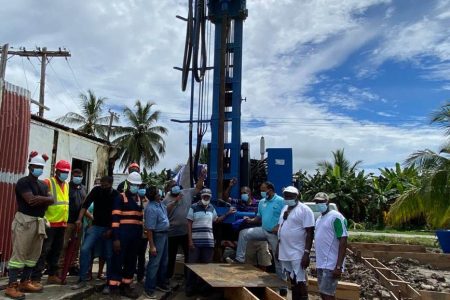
<point x="141" y="140"/>
<point x="90" y="121"/>
<point x="431" y="196"/>
<point x="154" y="178"/>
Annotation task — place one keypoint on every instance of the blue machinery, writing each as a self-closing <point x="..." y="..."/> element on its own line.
<point x="225" y="158"/>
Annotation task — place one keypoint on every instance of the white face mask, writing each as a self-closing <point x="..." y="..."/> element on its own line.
<point x="205" y="202"/>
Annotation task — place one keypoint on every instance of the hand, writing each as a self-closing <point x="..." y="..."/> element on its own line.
<point x="78" y="225"/>
<point x="191" y="244"/>
<point x="116" y="246"/>
<point x="153" y="251"/>
<point x="232" y="181"/>
<point x="246" y="219"/>
<point x="107" y="234"/>
<point x="203" y="174"/>
<point x="232" y="210"/>
<point x="305" y="261"/>
<point x="337" y="272"/>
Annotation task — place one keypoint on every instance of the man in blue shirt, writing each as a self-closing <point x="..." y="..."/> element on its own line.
<point x="269" y="210"/>
<point x="157" y="227"/>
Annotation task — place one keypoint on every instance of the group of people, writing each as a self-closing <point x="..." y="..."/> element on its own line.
<point x="122" y="225"/>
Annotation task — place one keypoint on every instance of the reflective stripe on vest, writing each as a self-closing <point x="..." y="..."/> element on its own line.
<point x="58" y="212"/>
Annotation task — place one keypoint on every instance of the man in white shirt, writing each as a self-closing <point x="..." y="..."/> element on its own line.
<point x="295" y="236"/>
<point x="331" y="244"/>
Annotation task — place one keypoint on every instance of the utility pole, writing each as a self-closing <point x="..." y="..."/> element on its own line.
<point x="43" y="54"/>
<point x="111" y="119"/>
<point x="3" y="61"/>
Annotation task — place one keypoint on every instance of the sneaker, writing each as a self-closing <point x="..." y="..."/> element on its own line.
<point x="28" y="287"/>
<point x="149" y="295"/>
<point x="232" y="261"/>
<point x="106" y="290"/>
<point x="283" y="292"/>
<point x="163" y="288"/>
<point x="128" y="292"/>
<point x="12" y="291"/>
<point x="79" y="285"/>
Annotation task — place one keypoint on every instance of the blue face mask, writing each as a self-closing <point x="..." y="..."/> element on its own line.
<point x="134" y="189"/>
<point x="63" y="176"/>
<point x="160" y="193"/>
<point x="77" y="180"/>
<point x="290" y="202"/>
<point x="244" y="197"/>
<point x="322" y="207"/>
<point x="264" y="194"/>
<point x="141" y="192"/>
<point x="37" y="172"/>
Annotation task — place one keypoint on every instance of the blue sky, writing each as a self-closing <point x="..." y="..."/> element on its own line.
<point x="318" y="75"/>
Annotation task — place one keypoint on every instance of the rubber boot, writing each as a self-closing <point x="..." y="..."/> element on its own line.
<point x="12" y="291"/>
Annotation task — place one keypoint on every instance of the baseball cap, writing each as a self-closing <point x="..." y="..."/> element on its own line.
<point x="206" y="192"/>
<point x="175" y="190"/>
<point x="321" y="196"/>
<point x="291" y="189"/>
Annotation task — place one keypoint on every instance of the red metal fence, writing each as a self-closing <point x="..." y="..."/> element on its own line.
<point x="14" y="139"/>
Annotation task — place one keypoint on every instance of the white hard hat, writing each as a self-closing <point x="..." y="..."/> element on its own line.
<point x="291" y="189"/>
<point x="134" y="178"/>
<point x="321" y="196"/>
<point x="37" y="160"/>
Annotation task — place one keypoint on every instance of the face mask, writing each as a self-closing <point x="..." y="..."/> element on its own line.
<point x="290" y="202"/>
<point x="142" y="192"/>
<point x="37" y="172"/>
<point x="134" y="189"/>
<point x="160" y="193"/>
<point x="63" y="176"/>
<point x="205" y="202"/>
<point x="264" y="194"/>
<point x="322" y="207"/>
<point x="77" y="180"/>
<point x="244" y="197"/>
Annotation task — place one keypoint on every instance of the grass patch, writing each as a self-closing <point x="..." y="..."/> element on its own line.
<point x="422" y="232"/>
<point x="427" y="242"/>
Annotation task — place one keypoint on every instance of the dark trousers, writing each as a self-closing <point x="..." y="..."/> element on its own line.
<point x="141" y="258"/>
<point x="174" y="243"/>
<point x="124" y="262"/>
<point x="51" y="251"/>
<point x="203" y="255"/>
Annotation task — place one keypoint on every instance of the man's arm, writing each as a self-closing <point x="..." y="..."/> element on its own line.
<point x="308" y="245"/>
<point x="341" y="234"/>
<point x="222" y="217"/>
<point x="191" y="242"/>
<point x="200" y="181"/>
<point x="255" y="220"/>
<point x="226" y="193"/>
<point x="151" y="243"/>
<point x="36" y="200"/>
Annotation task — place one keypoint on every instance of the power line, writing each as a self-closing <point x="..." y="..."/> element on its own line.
<point x="62" y="85"/>
<point x="74" y="77"/>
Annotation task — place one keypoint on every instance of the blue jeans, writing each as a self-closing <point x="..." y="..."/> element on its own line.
<point x="157" y="265"/>
<point x="258" y="234"/>
<point x="94" y="235"/>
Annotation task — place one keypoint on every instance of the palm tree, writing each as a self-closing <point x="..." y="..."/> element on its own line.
<point x="90" y="121"/>
<point x="431" y="198"/>
<point x="140" y="141"/>
<point x="340" y="164"/>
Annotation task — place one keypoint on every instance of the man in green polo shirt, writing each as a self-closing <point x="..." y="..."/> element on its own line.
<point x="269" y="210"/>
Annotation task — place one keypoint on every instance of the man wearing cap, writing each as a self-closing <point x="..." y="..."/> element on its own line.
<point x="127" y="228"/>
<point x="178" y="201"/>
<point x="57" y="214"/>
<point x="201" y="217"/>
<point x="268" y="215"/>
<point x="134" y="167"/>
<point x="330" y="244"/>
<point x="28" y="228"/>
<point x="295" y="236"/>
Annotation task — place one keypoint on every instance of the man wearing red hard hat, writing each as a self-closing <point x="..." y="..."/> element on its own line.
<point x="57" y="215"/>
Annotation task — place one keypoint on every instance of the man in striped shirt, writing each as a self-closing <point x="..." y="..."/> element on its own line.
<point x="200" y="217"/>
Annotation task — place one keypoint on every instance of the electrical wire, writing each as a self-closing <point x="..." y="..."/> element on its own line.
<point x="24" y="73"/>
<point x="62" y="85"/>
<point x="74" y="77"/>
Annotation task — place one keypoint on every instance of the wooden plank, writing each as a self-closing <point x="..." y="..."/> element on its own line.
<point x="344" y="290"/>
<point x="270" y="294"/>
<point x="387" y="247"/>
<point x="437" y="260"/>
<point x="238" y="293"/>
<point x="235" y="275"/>
<point x="429" y="295"/>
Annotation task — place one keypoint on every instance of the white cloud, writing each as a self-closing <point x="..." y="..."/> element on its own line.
<point x="126" y="50"/>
